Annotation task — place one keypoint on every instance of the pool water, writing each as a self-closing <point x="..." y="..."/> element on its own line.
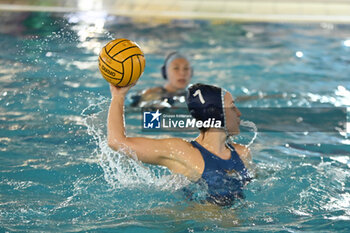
<point x="58" y="174"/>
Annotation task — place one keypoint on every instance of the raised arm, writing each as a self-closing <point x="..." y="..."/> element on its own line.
<point x="153" y="151"/>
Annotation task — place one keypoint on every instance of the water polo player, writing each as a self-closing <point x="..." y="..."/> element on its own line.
<point x="177" y="72"/>
<point x="208" y="158"/>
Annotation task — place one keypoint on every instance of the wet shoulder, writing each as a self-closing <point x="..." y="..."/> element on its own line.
<point x="152" y="93"/>
<point x="153" y="90"/>
<point x="189" y="161"/>
<point x="177" y="146"/>
<point x="183" y="145"/>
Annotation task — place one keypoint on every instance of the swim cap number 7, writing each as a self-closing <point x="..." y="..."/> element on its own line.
<point x="199" y="93"/>
<point x="206" y="102"/>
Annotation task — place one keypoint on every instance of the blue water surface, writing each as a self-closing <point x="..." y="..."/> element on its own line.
<point x="58" y="174"/>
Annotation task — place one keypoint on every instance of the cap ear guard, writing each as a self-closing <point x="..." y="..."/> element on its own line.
<point x="163" y="68"/>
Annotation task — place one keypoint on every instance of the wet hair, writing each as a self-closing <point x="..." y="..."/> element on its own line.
<point x="206" y="102"/>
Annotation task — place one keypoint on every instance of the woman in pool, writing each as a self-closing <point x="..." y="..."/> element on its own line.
<point x="209" y="158"/>
<point x="177" y="72"/>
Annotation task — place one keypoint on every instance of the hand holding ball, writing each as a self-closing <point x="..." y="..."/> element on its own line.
<point x="121" y="62"/>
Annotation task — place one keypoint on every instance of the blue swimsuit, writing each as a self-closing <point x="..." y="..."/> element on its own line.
<point x="225" y="178"/>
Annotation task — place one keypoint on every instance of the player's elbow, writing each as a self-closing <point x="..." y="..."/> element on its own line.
<point x="114" y="143"/>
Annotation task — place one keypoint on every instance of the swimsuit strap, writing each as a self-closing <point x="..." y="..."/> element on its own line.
<point x="231" y="147"/>
<point x="206" y="152"/>
<point x="234" y="152"/>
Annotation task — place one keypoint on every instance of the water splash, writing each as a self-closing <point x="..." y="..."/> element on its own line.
<point x="121" y="171"/>
<point x="251" y="125"/>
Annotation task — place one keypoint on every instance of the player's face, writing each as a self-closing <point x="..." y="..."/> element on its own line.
<point x="179" y="73"/>
<point x="232" y="115"/>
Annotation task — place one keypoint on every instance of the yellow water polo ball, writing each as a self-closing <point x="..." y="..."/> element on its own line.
<point x="121" y="62"/>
